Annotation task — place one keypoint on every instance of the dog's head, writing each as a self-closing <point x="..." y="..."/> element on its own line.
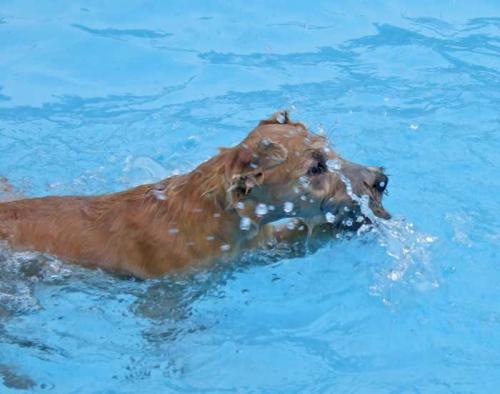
<point x="282" y="170"/>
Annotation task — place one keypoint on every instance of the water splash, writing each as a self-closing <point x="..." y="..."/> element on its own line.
<point x="143" y="169"/>
<point x="410" y="265"/>
<point x="19" y="273"/>
<point x="407" y="247"/>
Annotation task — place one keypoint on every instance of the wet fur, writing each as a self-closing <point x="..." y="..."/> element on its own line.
<point x="183" y="221"/>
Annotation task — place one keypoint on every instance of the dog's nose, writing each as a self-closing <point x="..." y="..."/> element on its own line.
<point x="380" y="182"/>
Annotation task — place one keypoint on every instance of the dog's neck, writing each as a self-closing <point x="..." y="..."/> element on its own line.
<point x="200" y="199"/>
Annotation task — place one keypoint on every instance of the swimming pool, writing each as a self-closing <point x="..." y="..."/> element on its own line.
<point x="98" y="97"/>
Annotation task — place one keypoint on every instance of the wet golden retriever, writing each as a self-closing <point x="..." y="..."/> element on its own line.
<point x="225" y="205"/>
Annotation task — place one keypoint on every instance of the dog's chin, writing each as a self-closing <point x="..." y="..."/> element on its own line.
<point x="348" y="220"/>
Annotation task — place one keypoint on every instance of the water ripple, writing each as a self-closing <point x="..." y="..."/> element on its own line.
<point x="121" y="34"/>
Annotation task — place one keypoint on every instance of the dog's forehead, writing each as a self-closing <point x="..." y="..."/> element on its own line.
<point x="291" y="136"/>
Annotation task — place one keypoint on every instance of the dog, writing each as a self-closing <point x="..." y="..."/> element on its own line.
<point x="228" y="204"/>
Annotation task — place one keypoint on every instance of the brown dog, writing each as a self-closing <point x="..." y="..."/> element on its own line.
<point x="226" y="204"/>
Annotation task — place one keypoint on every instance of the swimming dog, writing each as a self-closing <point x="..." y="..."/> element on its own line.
<point x="228" y="204"/>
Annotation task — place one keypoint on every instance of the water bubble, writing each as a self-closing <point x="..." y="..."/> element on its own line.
<point x="261" y="209"/>
<point x="271" y="207"/>
<point x="330" y="217"/>
<point x="382" y="184"/>
<point x="173" y="231"/>
<point x="288" y="207"/>
<point x="348" y="222"/>
<point x="245" y="223"/>
<point x="210" y="237"/>
<point x="143" y="169"/>
<point x="304" y="182"/>
<point x="290" y="225"/>
<point x="333" y="165"/>
<point x="303" y="198"/>
<point x="414" y="126"/>
<point x="225" y="247"/>
<point x="359" y="219"/>
<point x="240" y="205"/>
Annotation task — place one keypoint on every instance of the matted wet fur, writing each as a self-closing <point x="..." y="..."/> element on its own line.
<point x="225" y="205"/>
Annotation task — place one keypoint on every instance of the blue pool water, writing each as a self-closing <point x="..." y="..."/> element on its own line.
<point x="99" y="96"/>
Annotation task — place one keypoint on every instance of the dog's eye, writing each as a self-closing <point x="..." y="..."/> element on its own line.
<point x="317" y="169"/>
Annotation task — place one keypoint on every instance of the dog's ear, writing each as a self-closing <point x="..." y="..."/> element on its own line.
<point x="280" y="117"/>
<point x="248" y="165"/>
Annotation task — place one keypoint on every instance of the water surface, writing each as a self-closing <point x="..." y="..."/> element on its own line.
<point x="96" y="97"/>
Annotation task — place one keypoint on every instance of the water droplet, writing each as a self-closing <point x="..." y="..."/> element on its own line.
<point x="414" y="126"/>
<point x="382" y="184"/>
<point x="245" y="223"/>
<point x="346" y="209"/>
<point x="265" y="142"/>
<point x="288" y="207"/>
<point x="173" y="231"/>
<point x="290" y="225"/>
<point x="210" y="237"/>
<point x="359" y="219"/>
<point x="225" y="247"/>
<point x="271" y="207"/>
<point x="216" y="215"/>
<point x="303" y="198"/>
<point x="304" y="182"/>
<point x="240" y="205"/>
<point x="394" y="276"/>
<point x="159" y="195"/>
<point x="348" y="222"/>
<point x="261" y="209"/>
<point x="281" y="118"/>
<point x="333" y="165"/>
<point x="330" y="217"/>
